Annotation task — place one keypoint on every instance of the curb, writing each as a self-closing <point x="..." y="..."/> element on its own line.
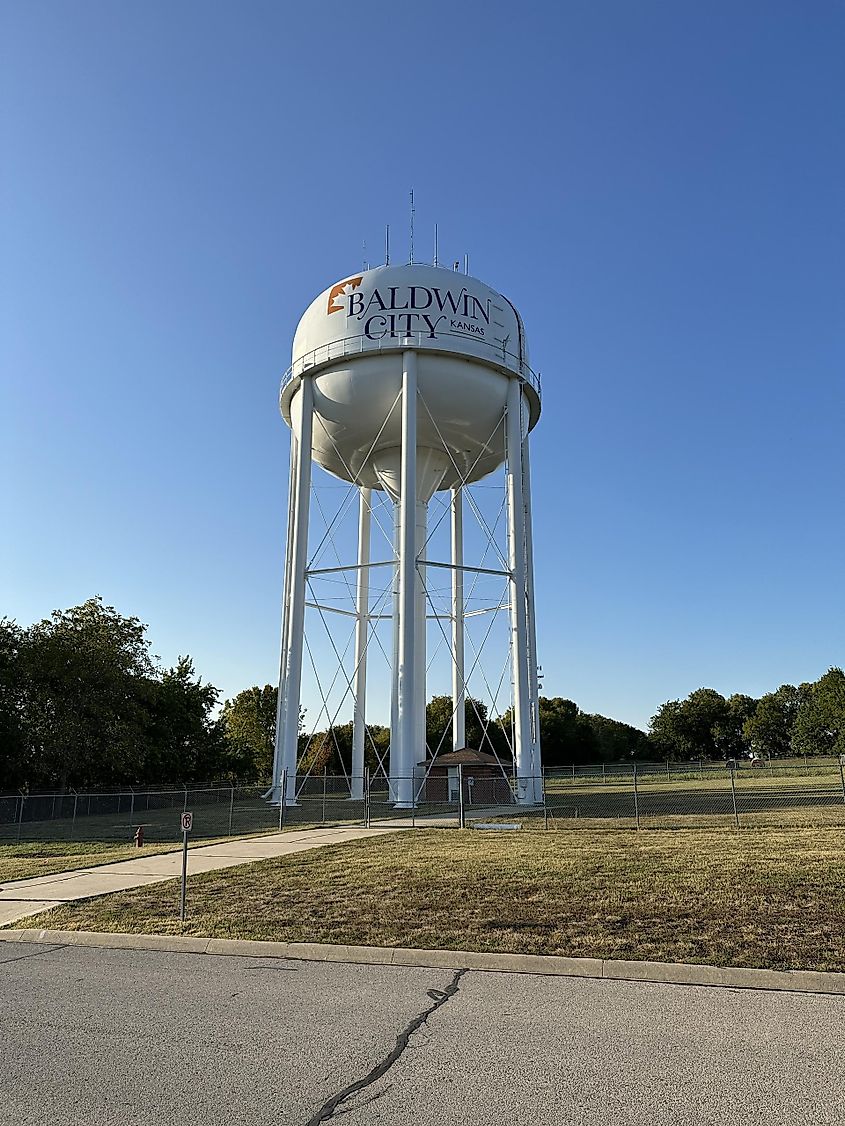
<point x="664" y="973"/>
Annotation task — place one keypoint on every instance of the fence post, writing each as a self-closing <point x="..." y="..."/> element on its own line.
<point x="131" y="806"/>
<point x="668" y="772"/>
<point x="636" y="798"/>
<point x="323" y="817"/>
<point x="283" y="799"/>
<point x="842" y="774"/>
<point x="20" y="814"/>
<point x="460" y="795"/>
<point x="367" y="798"/>
<point x="545" y="807"/>
<point x="231" y="808"/>
<point x="73" y="821"/>
<point x="733" y="795"/>
<point x="604" y="773"/>
<point x="185" y="806"/>
<point x="573" y="772"/>
<point x="413" y="803"/>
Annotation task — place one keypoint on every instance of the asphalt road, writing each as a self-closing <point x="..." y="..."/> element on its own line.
<point x="95" y="1036"/>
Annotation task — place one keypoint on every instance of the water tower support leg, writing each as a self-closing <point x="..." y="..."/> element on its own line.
<point x="420" y="640"/>
<point x="458" y="686"/>
<point x="278" y="750"/>
<point x="407" y="585"/>
<point x="395" y="754"/>
<point x="362" y="607"/>
<point x="299" y="559"/>
<point x="518" y="614"/>
<point x="533" y="685"/>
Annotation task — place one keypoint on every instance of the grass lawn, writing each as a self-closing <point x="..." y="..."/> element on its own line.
<point x="751" y="898"/>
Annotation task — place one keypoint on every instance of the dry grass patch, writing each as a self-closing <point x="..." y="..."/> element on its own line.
<point x="752" y="898"/>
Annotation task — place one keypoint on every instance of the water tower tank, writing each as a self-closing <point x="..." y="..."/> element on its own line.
<point x="470" y="343"/>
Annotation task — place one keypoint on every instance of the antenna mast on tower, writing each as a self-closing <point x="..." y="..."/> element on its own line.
<point x="411" y="257"/>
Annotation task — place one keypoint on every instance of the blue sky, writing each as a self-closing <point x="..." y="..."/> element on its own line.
<point x="657" y="187"/>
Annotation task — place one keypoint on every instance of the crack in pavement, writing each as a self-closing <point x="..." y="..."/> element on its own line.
<point x="287" y="969"/>
<point x="439" y="997"/>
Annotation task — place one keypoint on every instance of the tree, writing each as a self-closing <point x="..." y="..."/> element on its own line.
<point x="768" y="731"/>
<point x="249" y="724"/>
<point x="184" y="740"/>
<point x="13" y="741"/>
<point x="565" y="733"/>
<point x="329" y="751"/>
<point x="615" y="741"/>
<point x="87" y="672"/>
<point x="820" y="723"/>
<point x="692" y="728"/>
<point x="480" y="732"/>
<point x="729" y="731"/>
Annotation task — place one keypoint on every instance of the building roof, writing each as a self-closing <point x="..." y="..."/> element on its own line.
<point x="466" y="756"/>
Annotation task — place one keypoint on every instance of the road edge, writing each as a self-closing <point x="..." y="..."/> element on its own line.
<point x="664" y="973"/>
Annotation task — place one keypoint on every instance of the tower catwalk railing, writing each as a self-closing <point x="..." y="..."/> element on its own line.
<point x="355" y="346"/>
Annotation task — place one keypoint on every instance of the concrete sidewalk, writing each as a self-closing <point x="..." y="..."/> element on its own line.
<point x="21" y="898"/>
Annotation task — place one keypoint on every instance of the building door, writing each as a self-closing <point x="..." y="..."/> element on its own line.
<point x="454" y="784"/>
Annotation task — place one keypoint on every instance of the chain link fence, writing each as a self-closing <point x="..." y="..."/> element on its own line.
<point x="219" y="811"/>
<point x="781" y="793"/>
<point x="774" y="793"/>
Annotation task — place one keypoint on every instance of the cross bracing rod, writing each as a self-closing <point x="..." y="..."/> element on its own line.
<point x="474" y="570"/>
<point x="437" y="617"/>
<point x="488" y="610"/>
<point x="464" y="480"/>
<point x="331" y="609"/>
<point x="352" y="614"/>
<point x="354" y="477"/>
<point x="332" y="719"/>
<point x="485" y="726"/>
<point x="349" y="567"/>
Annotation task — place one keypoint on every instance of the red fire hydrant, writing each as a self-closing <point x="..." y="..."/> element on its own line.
<point x="139" y="837"/>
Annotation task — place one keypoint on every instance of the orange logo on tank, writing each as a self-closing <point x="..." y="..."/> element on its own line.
<point x="341" y="290"/>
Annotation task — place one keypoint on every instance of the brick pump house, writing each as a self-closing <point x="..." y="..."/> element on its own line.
<point x="483" y="778"/>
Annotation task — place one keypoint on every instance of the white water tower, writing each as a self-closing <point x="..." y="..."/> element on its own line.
<point x="411" y="380"/>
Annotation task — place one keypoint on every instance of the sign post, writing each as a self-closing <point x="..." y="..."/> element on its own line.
<point x="187" y="821"/>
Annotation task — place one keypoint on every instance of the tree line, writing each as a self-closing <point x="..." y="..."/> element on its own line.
<point x="84" y="703"/>
<point x="805" y="720"/>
